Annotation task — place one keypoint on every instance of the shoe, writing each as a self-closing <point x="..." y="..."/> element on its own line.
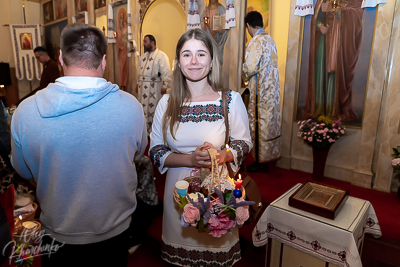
<point x="257" y="167"/>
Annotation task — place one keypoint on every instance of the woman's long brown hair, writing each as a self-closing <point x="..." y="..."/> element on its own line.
<point x="180" y="93"/>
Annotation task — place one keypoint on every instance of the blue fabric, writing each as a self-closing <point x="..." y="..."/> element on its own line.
<point x="80" y="146"/>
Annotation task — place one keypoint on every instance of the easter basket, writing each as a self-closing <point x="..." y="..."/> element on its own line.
<point x="209" y="180"/>
<point x="218" y="207"/>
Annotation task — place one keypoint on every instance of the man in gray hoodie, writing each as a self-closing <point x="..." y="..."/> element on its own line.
<point x="79" y="139"/>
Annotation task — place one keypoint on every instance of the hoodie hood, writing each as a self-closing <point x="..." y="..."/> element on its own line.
<point x="57" y="99"/>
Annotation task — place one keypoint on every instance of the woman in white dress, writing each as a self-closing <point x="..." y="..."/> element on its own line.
<point x="188" y="121"/>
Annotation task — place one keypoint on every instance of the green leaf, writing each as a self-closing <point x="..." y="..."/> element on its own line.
<point x="231" y="213"/>
<point x="201" y="226"/>
<point x="184" y="201"/>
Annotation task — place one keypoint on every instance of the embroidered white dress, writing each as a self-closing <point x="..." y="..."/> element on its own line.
<point x="200" y="122"/>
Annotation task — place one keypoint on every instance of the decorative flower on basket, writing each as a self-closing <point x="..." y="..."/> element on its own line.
<point x="321" y="133"/>
<point x="24" y="258"/>
<point x="396" y="162"/>
<point x="215" y="217"/>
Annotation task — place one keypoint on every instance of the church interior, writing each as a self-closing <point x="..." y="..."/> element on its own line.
<point x="360" y="161"/>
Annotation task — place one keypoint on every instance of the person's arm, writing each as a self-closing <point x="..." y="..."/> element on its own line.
<point x="17" y="158"/>
<point x="252" y="59"/>
<point x="240" y="139"/>
<point x="142" y="138"/>
<point x="165" y="70"/>
<point x="199" y="158"/>
<point x="159" y="151"/>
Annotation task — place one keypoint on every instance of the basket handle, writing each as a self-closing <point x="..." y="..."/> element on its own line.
<point x="214" y="171"/>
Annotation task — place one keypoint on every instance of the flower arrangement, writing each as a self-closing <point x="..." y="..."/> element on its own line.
<point x="321" y="133"/>
<point x="214" y="217"/>
<point x="24" y="257"/>
<point x="396" y="161"/>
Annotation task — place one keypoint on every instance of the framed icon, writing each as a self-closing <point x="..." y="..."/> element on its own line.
<point x="320" y="199"/>
<point x="26" y="41"/>
<point x="48" y="12"/>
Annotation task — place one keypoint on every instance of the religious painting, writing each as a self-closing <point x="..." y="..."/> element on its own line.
<point x="80" y="5"/>
<point x="52" y="34"/>
<point x="26" y="41"/>
<point x="212" y="20"/>
<point x="60" y="7"/>
<point x="99" y="3"/>
<point x="120" y="14"/>
<point x="48" y="14"/>
<point x="334" y="61"/>
<point x="263" y="7"/>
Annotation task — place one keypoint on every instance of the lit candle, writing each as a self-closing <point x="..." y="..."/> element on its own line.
<point x="18" y="226"/>
<point x="238" y="183"/>
<point x="223" y="163"/>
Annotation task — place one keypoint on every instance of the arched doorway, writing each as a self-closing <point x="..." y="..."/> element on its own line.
<point x="166" y="20"/>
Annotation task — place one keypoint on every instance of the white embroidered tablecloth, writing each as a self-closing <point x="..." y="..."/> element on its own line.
<point x="334" y="241"/>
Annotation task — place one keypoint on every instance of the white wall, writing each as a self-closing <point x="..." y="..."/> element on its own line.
<point x="280" y="14"/>
<point x="165" y="19"/>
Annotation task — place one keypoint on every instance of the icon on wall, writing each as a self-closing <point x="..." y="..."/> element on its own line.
<point x="60" y="7"/>
<point x="80" y="5"/>
<point x="48" y="14"/>
<point x="99" y="3"/>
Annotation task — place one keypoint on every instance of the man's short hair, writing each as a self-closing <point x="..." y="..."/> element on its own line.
<point x="254" y="19"/>
<point x="83" y="46"/>
<point x="151" y="38"/>
<point x="40" y="49"/>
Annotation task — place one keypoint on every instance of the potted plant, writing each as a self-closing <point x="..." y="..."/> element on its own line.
<point x="321" y="134"/>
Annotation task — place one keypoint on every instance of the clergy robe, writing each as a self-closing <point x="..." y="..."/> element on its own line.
<point x="261" y="70"/>
<point x="154" y="73"/>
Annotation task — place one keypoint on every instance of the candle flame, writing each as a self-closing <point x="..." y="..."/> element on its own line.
<point x="239" y="177"/>
<point x="20" y="217"/>
<point x="227" y="147"/>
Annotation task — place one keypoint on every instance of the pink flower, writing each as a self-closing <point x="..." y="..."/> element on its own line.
<point x="335" y="131"/>
<point x="191" y="214"/>
<point x="242" y="213"/>
<point x="395" y="161"/>
<point x="309" y="139"/>
<point x="220" y="224"/>
<point x="342" y="131"/>
<point x="331" y="140"/>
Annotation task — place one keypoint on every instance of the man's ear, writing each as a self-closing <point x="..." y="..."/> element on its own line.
<point x="103" y="63"/>
<point x="60" y="59"/>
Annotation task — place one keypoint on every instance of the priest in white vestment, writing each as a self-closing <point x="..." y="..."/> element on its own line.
<point x="154" y="76"/>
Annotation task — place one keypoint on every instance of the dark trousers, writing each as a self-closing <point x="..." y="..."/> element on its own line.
<point x="112" y="252"/>
<point x="142" y="219"/>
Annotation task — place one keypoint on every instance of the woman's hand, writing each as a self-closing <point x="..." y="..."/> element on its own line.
<point x="201" y="157"/>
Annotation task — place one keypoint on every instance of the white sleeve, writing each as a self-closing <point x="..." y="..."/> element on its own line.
<point x="159" y="151"/>
<point x="165" y="70"/>
<point x="239" y="132"/>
